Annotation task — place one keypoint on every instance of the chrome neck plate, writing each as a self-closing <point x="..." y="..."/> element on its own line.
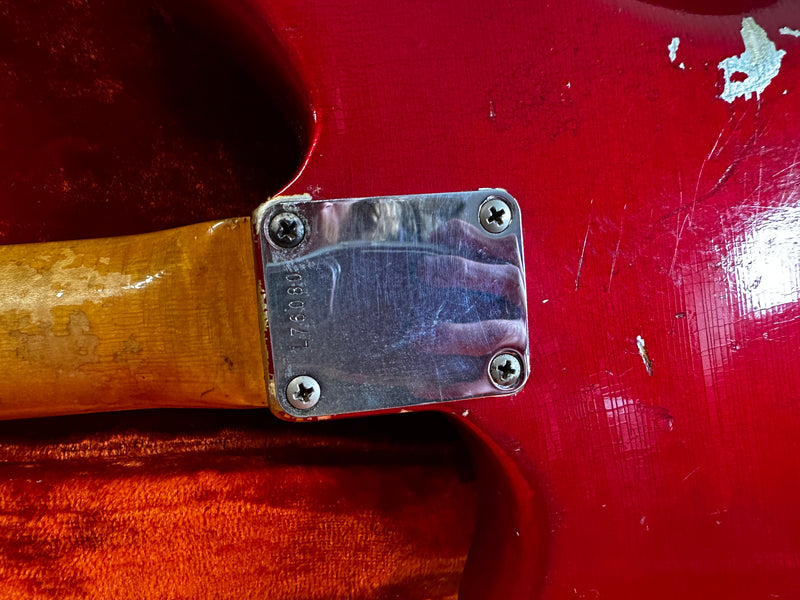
<point x="390" y="302"/>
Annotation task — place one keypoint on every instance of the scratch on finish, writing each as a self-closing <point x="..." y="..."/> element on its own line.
<point x="784" y="170"/>
<point x="648" y="364"/>
<point x="616" y="250"/>
<point x="789" y="31"/>
<point x="760" y="63"/>
<point x="678" y="235"/>
<point x="679" y="228"/>
<point x="583" y="249"/>
<point x="760" y="162"/>
<point x="793" y="164"/>
<point x="712" y="154"/>
<point x="692" y="472"/>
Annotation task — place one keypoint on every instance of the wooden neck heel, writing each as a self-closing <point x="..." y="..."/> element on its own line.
<point x="158" y="320"/>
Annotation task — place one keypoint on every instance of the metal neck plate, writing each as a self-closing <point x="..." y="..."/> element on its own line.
<point x="389" y="302"/>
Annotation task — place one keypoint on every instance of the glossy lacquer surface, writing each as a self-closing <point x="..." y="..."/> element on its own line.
<point x="653" y="452"/>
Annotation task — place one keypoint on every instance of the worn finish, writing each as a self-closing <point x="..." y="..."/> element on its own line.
<point x="653" y="452"/>
<point x="156" y="320"/>
<point x="755" y="68"/>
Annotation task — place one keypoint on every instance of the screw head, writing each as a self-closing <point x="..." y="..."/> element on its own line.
<point x="505" y="370"/>
<point x="286" y="229"/>
<point x="303" y="392"/>
<point x="494" y="214"/>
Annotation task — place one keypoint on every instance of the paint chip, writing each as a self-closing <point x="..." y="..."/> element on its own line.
<point x="760" y="63"/>
<point x="648" y="364"/>
<point x="643" y="523"/>
<point x="673" y="49"/>
<point x="790" y="31"/>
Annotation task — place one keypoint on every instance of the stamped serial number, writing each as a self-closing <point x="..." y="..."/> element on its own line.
<point x="296" y="305"/>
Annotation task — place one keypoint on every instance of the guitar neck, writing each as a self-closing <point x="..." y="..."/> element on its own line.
<point x="158" y="320"/>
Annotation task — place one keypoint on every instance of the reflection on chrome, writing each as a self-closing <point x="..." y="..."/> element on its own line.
<point x="394" y="301"/>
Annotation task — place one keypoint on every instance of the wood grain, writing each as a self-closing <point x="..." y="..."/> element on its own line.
<point x="166" y="319"/>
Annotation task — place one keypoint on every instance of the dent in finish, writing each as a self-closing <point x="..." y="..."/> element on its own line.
<point x="760" y="63"/>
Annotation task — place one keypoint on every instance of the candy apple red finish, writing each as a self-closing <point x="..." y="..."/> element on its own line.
<point x="653" y="148"/>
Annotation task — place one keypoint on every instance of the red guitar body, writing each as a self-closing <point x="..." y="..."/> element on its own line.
<point x="658" y="217"/>
<point x="654" y="451"/>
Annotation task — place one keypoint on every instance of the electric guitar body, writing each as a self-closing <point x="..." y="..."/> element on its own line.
<point x="653" y="151"/>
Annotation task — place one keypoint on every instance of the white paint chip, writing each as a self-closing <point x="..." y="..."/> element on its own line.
<point x="790" y="31"/>
<point x="673" y="49"/>
<point x="759" y="63"/>
<point x="682" y="66"/>
<point x="648" y="364"/>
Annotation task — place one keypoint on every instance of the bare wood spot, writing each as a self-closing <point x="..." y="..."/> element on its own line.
<point x="67" y="351"/>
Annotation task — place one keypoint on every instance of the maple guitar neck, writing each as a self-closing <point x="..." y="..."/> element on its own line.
<point x="158" y="320"/>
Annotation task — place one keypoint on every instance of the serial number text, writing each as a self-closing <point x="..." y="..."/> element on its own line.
<point x="296" y="305"/>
